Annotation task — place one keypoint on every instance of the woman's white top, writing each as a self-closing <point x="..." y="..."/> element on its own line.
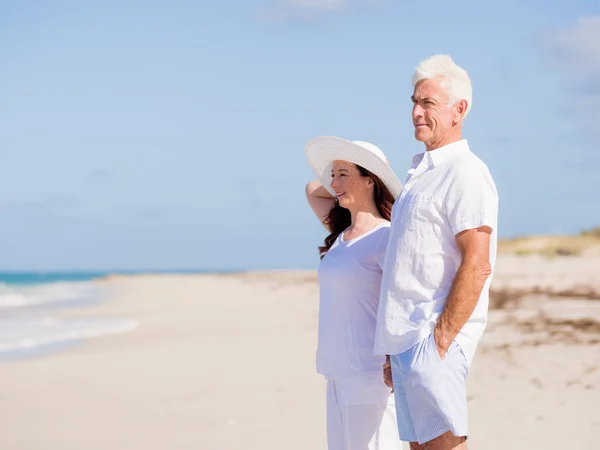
<point x="349" y="283"/>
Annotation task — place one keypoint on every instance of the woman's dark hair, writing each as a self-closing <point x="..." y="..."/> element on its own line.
<point x="338" y="218"/>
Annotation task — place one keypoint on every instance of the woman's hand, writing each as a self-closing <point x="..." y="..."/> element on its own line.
<point x="387" y="373"/>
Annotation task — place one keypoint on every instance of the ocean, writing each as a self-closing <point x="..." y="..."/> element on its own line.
<point x="29" y="302"/>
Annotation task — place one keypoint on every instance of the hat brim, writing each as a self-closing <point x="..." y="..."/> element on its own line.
<point x="324" y="150"/>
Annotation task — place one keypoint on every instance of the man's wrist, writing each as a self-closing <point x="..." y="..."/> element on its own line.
<point x="440" y="340"/>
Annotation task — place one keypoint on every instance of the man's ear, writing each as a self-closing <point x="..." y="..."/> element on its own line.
<point x="460" y="111"/>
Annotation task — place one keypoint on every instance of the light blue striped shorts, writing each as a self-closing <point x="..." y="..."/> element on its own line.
<point x="431" y="394"/>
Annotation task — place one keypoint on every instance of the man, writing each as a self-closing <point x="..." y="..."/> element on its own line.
<point x="440" y="256"/>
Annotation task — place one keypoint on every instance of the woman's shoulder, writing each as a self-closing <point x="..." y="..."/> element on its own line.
<point x="380" y="234"/>
<point x="385" y="230"/>
<point x="384" y="226"/>
<point x="380" y="229"/>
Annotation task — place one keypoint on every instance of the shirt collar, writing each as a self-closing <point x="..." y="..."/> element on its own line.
<point x="423" y="161"/>
<point x="439" y="155"/>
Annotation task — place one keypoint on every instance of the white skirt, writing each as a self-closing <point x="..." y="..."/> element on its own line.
<point x="361" y="415"/>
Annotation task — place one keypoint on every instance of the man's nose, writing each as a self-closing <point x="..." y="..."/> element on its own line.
<point x="417" y="111"/>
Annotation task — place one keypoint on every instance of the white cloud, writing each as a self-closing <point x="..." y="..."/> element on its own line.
<point x="575" y="54"/>
<point x="577" y="47"/>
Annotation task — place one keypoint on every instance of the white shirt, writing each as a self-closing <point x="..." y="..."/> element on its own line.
<point x="447" y="190"/>
<point x="349" y="285"/>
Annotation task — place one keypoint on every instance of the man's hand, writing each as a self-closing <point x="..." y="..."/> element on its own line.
<point x="387" y="374"/>
<point x="441" y="346"/>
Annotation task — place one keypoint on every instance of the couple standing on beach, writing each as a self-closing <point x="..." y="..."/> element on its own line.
<point x="404" y="290"/>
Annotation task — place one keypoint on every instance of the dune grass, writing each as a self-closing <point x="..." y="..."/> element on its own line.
<point x="551" y="245"/>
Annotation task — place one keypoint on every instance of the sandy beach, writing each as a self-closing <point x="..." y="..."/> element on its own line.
<point x="226" y="362"/>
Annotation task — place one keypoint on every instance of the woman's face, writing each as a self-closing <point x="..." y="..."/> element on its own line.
<point x="351" y="188"/>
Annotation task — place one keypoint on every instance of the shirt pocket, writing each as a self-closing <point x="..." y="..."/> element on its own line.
<point x="415" y="210"/>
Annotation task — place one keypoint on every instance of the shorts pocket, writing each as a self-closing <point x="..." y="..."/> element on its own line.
<point x="434" y="349"/>
<point x="423" y="363"/>
<point x="453" y="351"/>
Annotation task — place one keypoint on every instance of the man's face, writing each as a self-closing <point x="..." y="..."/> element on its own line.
<point x="432" y="115"/>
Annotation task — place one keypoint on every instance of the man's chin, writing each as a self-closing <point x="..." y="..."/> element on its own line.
<point x="420" y="136"/>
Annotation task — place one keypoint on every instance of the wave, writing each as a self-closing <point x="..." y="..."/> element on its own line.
<point x="24" y="333"/>
<point x="20" y="296"/>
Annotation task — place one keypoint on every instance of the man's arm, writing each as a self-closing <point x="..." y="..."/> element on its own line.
<point x="474" y="270"/>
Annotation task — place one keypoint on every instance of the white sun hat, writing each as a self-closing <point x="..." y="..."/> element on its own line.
<point x="322" y="151"/>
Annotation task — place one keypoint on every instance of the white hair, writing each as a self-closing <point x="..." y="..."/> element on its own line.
<point x="455" y="80"/>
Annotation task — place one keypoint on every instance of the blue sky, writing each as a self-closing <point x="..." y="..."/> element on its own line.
<point x="170" y="135"/>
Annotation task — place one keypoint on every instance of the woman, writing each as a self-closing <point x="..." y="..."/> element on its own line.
<point x="353" y="197"/>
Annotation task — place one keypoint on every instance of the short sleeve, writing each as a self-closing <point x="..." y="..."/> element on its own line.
<point x="472" y="198"/>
